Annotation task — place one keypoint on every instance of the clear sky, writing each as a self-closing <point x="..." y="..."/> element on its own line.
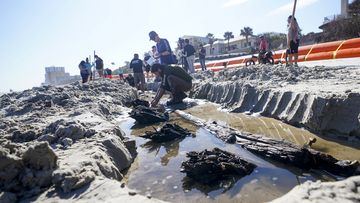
<point x="38" y="33"/>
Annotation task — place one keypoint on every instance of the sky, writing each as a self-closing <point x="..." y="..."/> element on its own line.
<point x="35" y="34"/>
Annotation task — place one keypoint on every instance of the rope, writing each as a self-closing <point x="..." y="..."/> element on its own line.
<point x="309" y="52"/>
<point x="335" y="52"/>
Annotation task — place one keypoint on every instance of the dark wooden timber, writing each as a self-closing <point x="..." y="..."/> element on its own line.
<point x="279" y="150"/>
<point x="167" y="133"/>
<point x="215" y="165"/>
<point x="146" y="115"/>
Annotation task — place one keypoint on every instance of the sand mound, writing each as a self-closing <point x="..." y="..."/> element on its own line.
<point x="62" y="138"/>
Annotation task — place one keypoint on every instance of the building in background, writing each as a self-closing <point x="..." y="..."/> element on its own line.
<point x="58" y="76"/>
<point x="237" y="45"/>
<point x="344" y="14"/>
<point x="196" y="41"/>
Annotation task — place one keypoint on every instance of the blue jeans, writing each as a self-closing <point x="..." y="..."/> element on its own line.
<point x="202" y="63"/>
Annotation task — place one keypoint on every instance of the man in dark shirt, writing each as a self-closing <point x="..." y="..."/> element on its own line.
<point x="202" y="54"/>
<point x="173" y="79"/>
<point x="137" y="65"/>
<point x="189" y="52"/>
<point x="99" y="65"/>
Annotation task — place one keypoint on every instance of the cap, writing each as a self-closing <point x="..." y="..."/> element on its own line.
<point x="152" y="35"/>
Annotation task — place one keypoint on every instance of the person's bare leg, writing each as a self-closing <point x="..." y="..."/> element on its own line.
<point x="290" y="60"/>
<point x="296" y="56"/>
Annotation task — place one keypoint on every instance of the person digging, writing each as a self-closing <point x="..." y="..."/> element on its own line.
<point x="173" y="79"/>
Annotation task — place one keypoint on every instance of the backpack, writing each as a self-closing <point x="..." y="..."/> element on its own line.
<point x="83" y="69"/>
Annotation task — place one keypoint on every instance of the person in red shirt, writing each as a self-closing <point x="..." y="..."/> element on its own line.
<point x="263" y="47"/>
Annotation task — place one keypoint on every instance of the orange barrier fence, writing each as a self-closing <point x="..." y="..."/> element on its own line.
<point x="330" y="50"/>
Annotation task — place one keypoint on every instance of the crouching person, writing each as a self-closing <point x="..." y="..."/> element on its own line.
<point x="173" y="79"/>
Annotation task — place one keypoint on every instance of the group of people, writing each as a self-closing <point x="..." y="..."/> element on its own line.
<point x="85" y="68"/>
<point x="187" y="55"/>
<point x="174" y="78"/>
<point x="162" y="63"/>
<point x="177" y="81"/>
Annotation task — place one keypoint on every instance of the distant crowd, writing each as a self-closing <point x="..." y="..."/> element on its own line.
<point x="174" y="70"/>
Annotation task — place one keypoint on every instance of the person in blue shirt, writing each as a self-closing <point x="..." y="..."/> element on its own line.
<point x="88" y="67"/>
<point x="164" y="52"/>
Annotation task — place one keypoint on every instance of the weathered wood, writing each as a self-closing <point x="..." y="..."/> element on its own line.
<point x="137" y="102"/>
<point x="279" y="150"/>
<point x="167" y="133"/>
<point x="214" y="166"/>
<point x="146" y="115"/>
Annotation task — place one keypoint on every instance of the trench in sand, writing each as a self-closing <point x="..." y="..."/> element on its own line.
<point x="156" y="170"/>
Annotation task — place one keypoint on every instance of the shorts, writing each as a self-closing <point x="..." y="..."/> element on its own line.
<point x="294" y="47"/>
<point x="100" y="71"/>
<point x="139" y="78"/>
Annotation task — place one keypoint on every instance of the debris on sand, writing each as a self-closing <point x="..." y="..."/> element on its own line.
<point x="167" y="133"/>
<point x="216" y="165"/>
<point x="145" y="115"/>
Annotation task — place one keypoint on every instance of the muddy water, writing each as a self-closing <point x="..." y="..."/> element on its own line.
<point x="156" y="170"/>
<point x="276" y="129"/>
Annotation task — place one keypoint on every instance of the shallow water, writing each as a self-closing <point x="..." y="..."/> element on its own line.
<point x="156" y="170"/>
<point x="278" y="130"/>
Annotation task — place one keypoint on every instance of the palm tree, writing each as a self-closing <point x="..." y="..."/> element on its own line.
<point x="211" y="39"/>
<point x="228" y="35"/>
<point x="246" y="32"/>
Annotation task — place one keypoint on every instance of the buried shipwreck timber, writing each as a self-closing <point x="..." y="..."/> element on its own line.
<point x="137" y="102"/>
<point x="145" y="115"/>
<point x="214" y="166"/>
<point x="279" y="150"/>
<point x="167" y="133"/>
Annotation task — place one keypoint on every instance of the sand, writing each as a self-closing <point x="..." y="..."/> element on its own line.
<point x="63" y="143"/>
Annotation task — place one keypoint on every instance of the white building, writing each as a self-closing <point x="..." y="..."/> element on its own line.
<point x="237" y="45"/>
<point x="344" y="13"/>
<point x="196" y="40"/>
<point x="58" y="76"/>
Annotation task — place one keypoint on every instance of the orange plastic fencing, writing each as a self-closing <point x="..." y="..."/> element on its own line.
<point x="330" y="50"/>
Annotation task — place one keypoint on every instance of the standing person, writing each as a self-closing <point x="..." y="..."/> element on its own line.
<point x="181" y="55"/>
<point x="121" y="73"/>
<point x="202" y="54"/>
<point x="173" y="79"/>
<point x="293" y="40"/>
<point x="83" y="71"/>
<point x="263" y="47"/>
<point x="163" y="49"/>
<point x="137" y="65"/>
<point x="99" y="65"/>
<point x="88" y="67"/>
<point x="147" y="66"/>
<point x="189" y="52"/>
